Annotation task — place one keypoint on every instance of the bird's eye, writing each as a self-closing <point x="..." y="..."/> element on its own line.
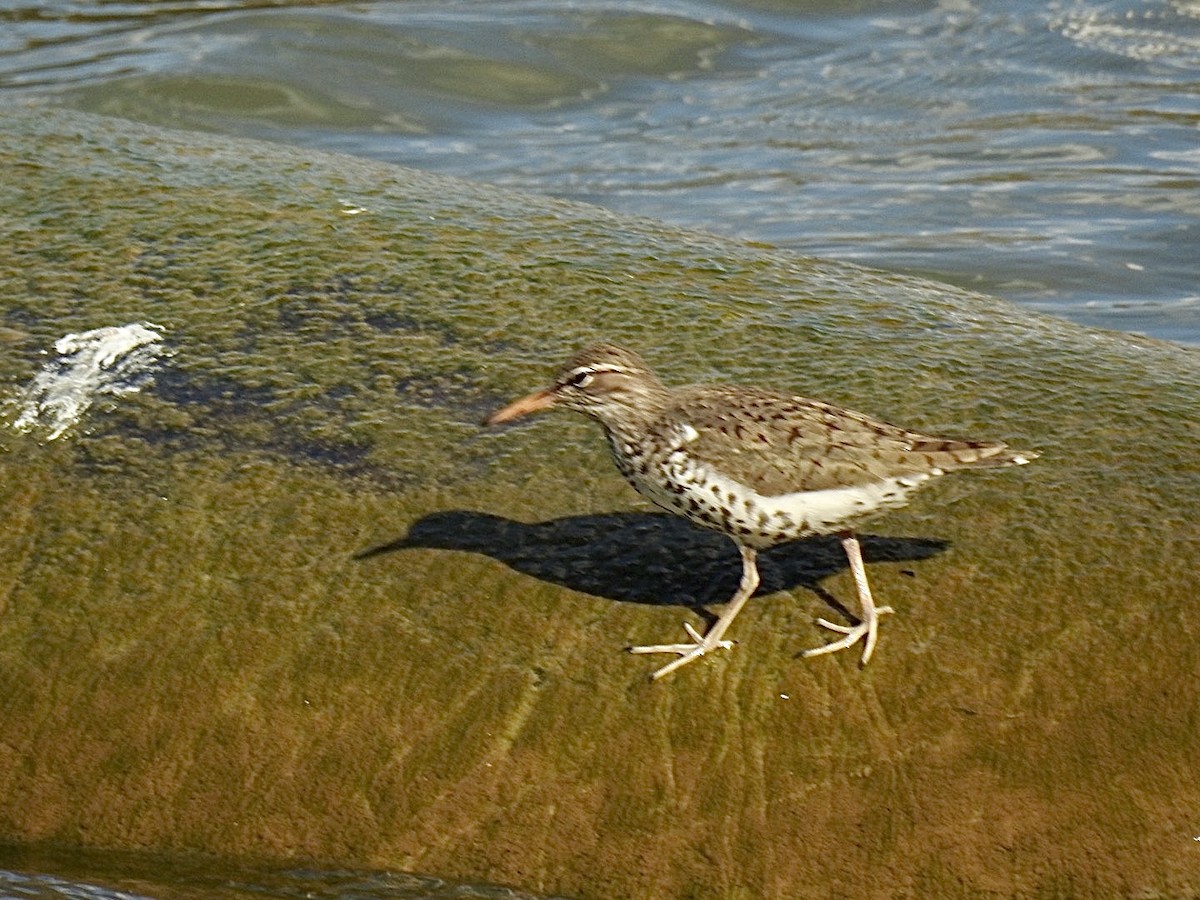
<point x="580" y="379"/>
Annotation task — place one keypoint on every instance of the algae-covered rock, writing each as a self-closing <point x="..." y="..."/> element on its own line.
<point x="288" y="601"/>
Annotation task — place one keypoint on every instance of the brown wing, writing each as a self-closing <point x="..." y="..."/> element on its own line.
<point x="779" y="444"/>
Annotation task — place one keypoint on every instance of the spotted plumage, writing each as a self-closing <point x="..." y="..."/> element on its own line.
<point x="761" y="467"/>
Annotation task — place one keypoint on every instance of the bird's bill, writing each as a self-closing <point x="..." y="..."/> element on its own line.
<point x="522" y="407"/>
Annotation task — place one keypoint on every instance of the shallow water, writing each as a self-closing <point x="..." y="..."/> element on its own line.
<point x="1044" y="152"/>
<point x="127" y="876"/>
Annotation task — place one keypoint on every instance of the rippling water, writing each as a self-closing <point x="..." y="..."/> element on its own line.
<point x="1045" y="152"/>
<point x="116" y="877"/>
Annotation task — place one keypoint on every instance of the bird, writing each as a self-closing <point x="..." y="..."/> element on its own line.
<point x="759" y="466"/>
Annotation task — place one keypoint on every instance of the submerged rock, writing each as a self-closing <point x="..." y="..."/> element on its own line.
<point x="288" y="601"/>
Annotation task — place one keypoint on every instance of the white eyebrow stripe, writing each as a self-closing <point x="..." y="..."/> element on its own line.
<point x="596" y="369"/>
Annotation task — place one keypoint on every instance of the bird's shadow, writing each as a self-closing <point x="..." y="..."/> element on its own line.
<point x="637" y="557"/>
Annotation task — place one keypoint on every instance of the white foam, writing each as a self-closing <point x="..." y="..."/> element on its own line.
<point x="108" y="361"/>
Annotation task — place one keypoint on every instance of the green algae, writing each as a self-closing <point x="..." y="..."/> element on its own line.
<point x="292" y="602"/>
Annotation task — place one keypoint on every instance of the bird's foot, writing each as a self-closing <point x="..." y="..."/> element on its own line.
<point x="866" y="631"/>
<point x="687" y="652"/>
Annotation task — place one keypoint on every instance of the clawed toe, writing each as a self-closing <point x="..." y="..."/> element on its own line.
<point x="687" y="652"/>
<point x="701" y="644"/>
<point x="866" y="631"/>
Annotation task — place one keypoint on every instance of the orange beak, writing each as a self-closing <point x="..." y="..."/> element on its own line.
<point x="523" y="407"/>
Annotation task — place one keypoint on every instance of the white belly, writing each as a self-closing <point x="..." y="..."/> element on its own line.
<point x="707" y="498"/>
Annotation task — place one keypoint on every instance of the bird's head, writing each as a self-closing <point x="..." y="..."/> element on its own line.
<point x="604" y="381"/>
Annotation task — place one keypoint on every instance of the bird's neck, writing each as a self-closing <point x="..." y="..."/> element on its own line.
<point x="629" y="418"/>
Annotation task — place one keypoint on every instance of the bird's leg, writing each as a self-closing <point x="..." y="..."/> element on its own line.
<point x="867" y="629"/>
<point x="713" y="639"/>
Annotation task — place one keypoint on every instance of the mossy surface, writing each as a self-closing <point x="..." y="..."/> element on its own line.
<point x="291" y="602"/>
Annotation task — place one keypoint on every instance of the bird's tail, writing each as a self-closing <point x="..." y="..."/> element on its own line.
<point x="948" y="454"/>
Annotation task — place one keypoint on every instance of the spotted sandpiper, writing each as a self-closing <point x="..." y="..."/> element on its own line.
<point x="758" y="466"/>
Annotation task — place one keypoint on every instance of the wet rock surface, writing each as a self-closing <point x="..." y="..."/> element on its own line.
<point x="289" y="601"/>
